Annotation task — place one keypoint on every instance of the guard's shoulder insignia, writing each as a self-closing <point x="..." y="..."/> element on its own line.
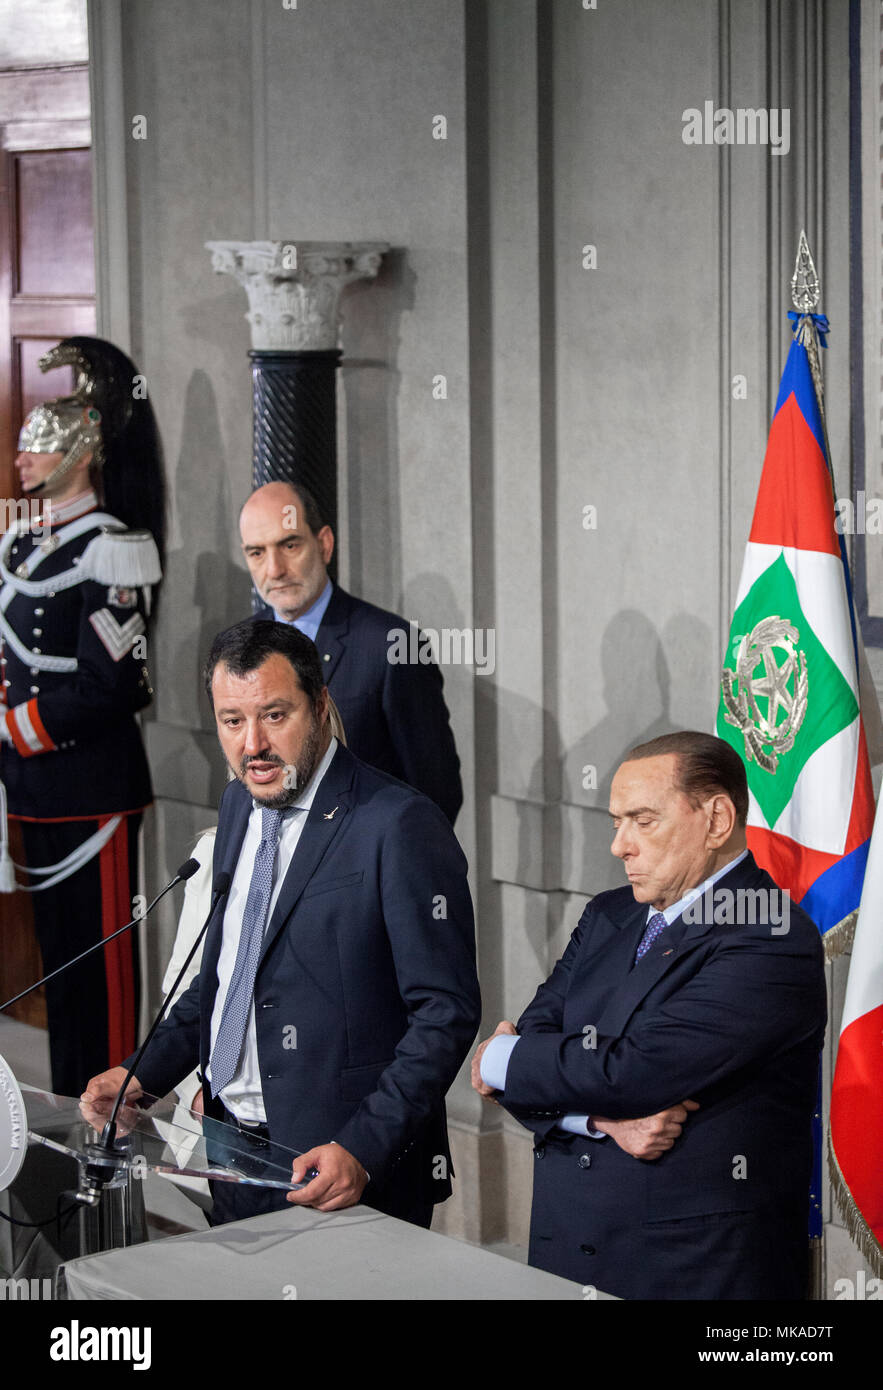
<point x="117" y="638"/>
<point x="118" y="597"/>
<point x="129" y="559"/>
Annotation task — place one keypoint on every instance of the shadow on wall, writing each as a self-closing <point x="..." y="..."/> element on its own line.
<point x="372" y="312"/>
<point x="431" y="601"/>
<point x="203" y="590"/>
<point x="652" y="685"/>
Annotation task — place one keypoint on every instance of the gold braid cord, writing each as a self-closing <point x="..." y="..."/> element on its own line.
<point x="839" y="938"/>
<point x="857" y="1228"/>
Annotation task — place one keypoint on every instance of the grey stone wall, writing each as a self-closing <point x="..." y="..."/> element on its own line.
<point x="567" y="386"/>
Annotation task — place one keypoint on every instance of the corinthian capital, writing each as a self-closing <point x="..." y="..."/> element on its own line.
<point x="294" y="287"/>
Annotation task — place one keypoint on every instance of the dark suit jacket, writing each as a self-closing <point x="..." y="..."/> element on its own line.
<point x="729" y="1015"/>
<point x="395" y="716"/>
<point x="369" y="954"/>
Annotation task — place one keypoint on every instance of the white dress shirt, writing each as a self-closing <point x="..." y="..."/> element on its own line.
<point x="495" y="1058"/>
<point x="243" y="1096"/>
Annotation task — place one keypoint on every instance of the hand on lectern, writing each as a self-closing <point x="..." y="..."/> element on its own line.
<point x="97" y="1100"/>
<point x="339" y="1182"/>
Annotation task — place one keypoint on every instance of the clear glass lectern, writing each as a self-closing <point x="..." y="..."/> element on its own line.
<point x="153" y="1135"/>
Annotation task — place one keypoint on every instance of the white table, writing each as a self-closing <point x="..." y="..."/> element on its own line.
<point x="304" y="1254"/>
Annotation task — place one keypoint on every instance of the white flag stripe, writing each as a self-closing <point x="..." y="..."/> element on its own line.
<point x="822" y="594"/>
<point x="864" y="988"/>
<point x="758" y="558"/>
<point x="820" y="807"/>
<point x="817" y="814"/>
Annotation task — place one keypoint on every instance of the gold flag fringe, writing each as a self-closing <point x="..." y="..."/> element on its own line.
<point x="858" y="1229"/>
<point x="839" y="938"/>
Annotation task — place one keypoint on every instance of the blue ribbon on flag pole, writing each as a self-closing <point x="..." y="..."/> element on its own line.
<point x="819" y="320"/>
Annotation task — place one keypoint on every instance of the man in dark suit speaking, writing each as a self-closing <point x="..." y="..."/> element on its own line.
<point x="347" y="931"/>
<point x="668" y="1066"/>
<point x="394" y="713"/>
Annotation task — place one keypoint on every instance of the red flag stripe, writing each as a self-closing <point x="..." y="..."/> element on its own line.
<point x="857" y="1115"/>
<point x="791" y="864"/>
<point x="795" y="500"/>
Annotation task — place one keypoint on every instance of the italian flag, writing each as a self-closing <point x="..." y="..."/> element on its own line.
<point x="790" y="691"/>
<point x="790" y="707"/>
<point x="855" y="1142"/>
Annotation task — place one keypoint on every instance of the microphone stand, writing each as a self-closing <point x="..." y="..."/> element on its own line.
<point x="98" y="1170"/>
<point x="185" y="871"/>
<point x="104" y="1155"/>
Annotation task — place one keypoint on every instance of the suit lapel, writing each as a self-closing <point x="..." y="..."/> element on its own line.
<point x="332" y="635"/>
<point x="670" y="946"/>
<point x="228" y="846"/>
<point x="641" y="976"/>
<point x="615" y="960"/>
<point x="327" y="814"/>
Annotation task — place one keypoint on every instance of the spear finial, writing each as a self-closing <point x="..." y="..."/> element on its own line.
<point x="805" y="295"/>
<point x="805" y="289"/>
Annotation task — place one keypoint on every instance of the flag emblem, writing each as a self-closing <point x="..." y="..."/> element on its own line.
<point x="743" y="689"/>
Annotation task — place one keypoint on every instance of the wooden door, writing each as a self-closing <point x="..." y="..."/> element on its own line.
<point x="47" y="292"/>
<point x="47" y="279"/>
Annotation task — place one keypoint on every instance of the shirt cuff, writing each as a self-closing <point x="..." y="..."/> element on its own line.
<point x="579" y="1124"/>
<point x="495" y="1060"/>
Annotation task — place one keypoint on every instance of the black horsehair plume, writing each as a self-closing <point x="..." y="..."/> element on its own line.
<point x="132" y="478"/>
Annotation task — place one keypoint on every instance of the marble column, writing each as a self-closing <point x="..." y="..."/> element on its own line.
<point x="293" y="290"/>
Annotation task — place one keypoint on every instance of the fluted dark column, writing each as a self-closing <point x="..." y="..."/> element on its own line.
<point x="295" y="422"/>
<point x="293" y="290"/>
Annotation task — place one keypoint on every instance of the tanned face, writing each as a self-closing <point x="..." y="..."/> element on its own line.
<point x="667" y="845"/>
<point x="271" y="734"/>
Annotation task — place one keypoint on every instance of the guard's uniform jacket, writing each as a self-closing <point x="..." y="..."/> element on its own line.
<point x="73" y="665"/>
<point x="71" y="675"/>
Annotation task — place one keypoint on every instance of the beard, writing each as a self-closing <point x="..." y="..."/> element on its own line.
<point x="299" y="772"/>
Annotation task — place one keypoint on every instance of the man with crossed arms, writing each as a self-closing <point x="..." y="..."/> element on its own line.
<point x="668" y="1067"/>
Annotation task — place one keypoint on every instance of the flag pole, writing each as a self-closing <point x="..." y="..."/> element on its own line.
<point x="806" y="292"/>
<point x="805" y="296"/>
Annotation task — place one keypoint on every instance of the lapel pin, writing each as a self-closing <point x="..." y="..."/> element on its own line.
<point x="668" y="952"/>
<point x="329" y="815"/>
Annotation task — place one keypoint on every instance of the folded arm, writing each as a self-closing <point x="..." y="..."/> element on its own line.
<point x="750" y="999"/>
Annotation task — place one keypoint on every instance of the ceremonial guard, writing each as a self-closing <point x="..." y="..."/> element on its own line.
<point x="75" y="604"/>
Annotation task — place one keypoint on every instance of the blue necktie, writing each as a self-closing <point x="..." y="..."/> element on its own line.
<point x="656" y="924"/>
<point x="237" y="1005"/>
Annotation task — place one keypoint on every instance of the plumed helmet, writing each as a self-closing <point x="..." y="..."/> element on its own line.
<point x="109" y="413"/>
<point x="56" y="426"/>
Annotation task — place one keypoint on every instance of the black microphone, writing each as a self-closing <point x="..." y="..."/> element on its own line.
<point x="187" y="870"/>
<point x="220" y="888"/>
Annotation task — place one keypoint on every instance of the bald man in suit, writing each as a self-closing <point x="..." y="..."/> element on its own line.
<point x="394" y="713"/>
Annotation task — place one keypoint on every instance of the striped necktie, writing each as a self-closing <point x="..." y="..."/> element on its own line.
<point x="237" y="1006"/>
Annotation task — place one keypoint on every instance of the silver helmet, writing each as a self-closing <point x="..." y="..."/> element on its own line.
<point x="68" y="426"/>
